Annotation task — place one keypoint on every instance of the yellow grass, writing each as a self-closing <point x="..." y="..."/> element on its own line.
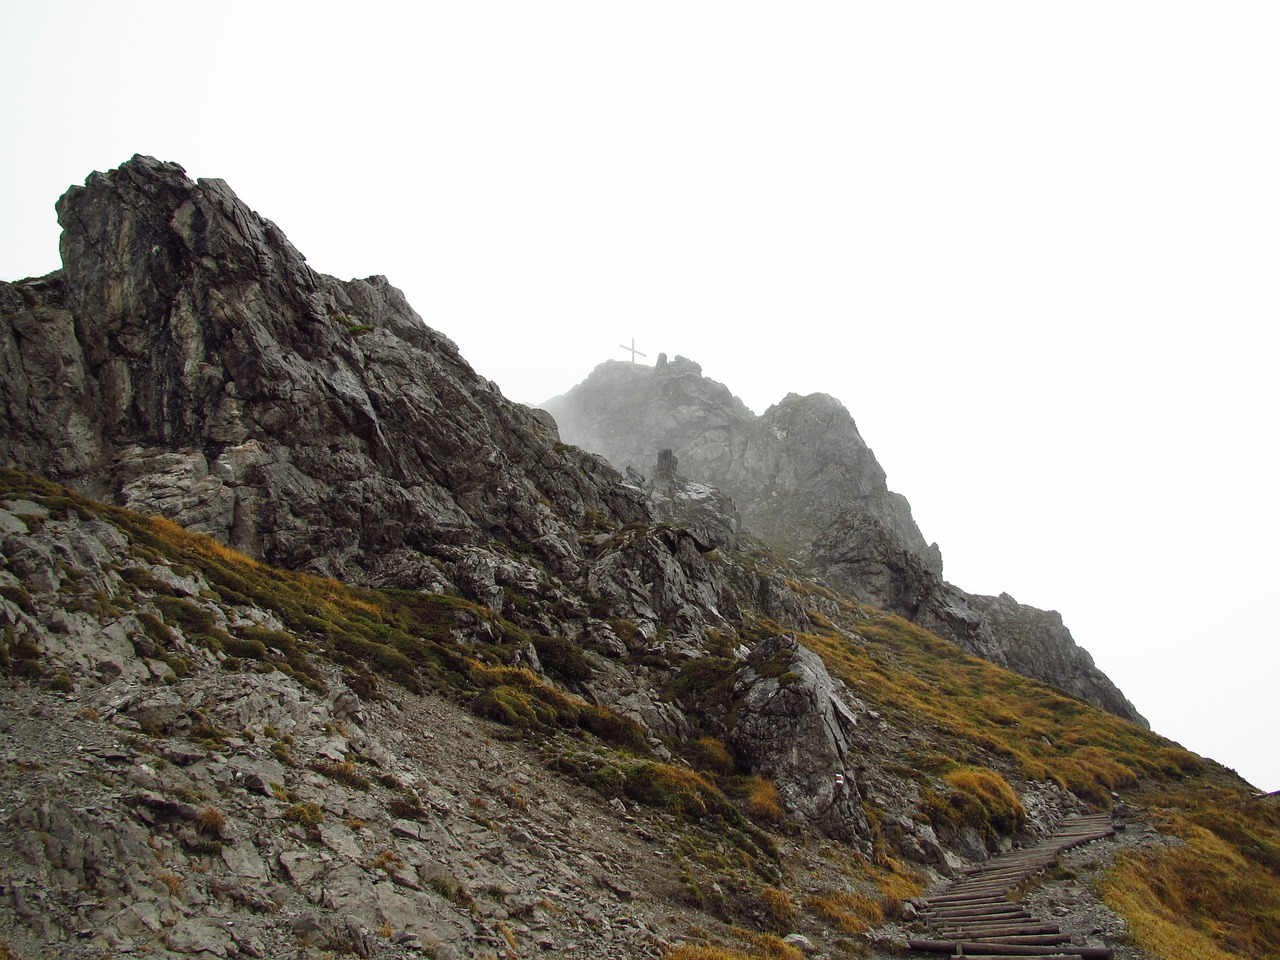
<point x="778" y="903"/>
<point x="1210" y="897"/>
<point x="995" y="803"/>
<point x="763" y="800"/>
<point x="853" y="913"/>
<point x="711" y="754"/>
<point x="898" y="884"/>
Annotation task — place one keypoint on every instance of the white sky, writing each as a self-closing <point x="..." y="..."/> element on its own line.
<point x="1032" y="247"/>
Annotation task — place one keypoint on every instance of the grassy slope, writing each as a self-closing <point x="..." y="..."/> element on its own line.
<point x="1218" y="895"/>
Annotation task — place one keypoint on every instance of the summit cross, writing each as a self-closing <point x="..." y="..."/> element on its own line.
<point x="634" y="352"/>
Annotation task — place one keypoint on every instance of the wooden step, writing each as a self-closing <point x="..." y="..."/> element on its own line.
<point x="981" y="933"/>
<point x="973" y="948"/>
<point x="985" y="911"/>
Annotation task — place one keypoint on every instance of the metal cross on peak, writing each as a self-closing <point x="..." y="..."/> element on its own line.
<point x="633" y="350"/>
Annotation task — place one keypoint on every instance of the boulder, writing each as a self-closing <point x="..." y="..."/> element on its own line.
<point x="794" y="729"/>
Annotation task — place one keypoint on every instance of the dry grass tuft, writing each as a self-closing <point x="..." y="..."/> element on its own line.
<point x="387" y="860"/>
<point x="852" y="912"/>
<point x="898" y="885"/>
<point x="171" y="881"/>
<point x="689" y="952"/>
<point x="763" y="800"/>
<point x="710" y="753"/>
<point x="767" y="945"/>
<point x="211" y="822"/>
<point x="779" y="906"/>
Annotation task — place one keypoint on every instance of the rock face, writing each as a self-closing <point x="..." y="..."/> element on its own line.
<point x="1038" y="638"/>
<point x="187" y="361"/>
<point x="796" y="730"/>
<point x="791" y="472"/>
<point x="808" y="485"/>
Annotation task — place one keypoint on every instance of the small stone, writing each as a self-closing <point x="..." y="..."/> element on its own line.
<point x="195" y="936"/>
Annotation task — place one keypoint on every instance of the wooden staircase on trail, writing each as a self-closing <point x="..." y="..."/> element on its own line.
<point x="974" y="918"/>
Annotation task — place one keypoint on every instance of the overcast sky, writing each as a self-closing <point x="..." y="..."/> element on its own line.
<point x="1032" y="247"/>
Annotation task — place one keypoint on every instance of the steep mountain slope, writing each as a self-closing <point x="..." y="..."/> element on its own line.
<point x="203" y="756"/>
<point x="556" y="711"/>
<point x="809" y="486"/>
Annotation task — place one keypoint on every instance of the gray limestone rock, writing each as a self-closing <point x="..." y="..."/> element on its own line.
<point x="794" y="728"/>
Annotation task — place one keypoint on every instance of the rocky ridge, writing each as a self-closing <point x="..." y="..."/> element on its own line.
<point x="186" y="361"/>
<point x="808" y="486"/>
<point x="790" y="471"/>
<point x="560" y="709"/>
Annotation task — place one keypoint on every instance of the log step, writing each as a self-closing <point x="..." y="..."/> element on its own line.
<point x="982" y="933"/>
<point x="963" y="909"/>
<point x="974" y="948"/>
<point x="975" y="919"/>
<point x="991" y="934"/>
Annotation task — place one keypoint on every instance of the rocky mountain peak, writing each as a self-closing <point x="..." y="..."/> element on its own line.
<point x="790" y="471"/>
<point x="187" y="361"/>
<point x="807" y="484"/>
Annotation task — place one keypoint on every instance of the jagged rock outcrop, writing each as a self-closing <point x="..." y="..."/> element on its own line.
<point x="807" y="485"/>
<point x="187" y="361"/>
<point x="1037" y="639"/>
<point x="794" y="728"/>
<point x="700" y="508"/>
<point x="858" y="554"/>
<point x="790" y="472"/>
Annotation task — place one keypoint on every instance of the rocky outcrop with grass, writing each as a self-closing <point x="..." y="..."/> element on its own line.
<point x="1034" y="639"/>
<point x="808" y="486"/>
<point x="796" y="730"/>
